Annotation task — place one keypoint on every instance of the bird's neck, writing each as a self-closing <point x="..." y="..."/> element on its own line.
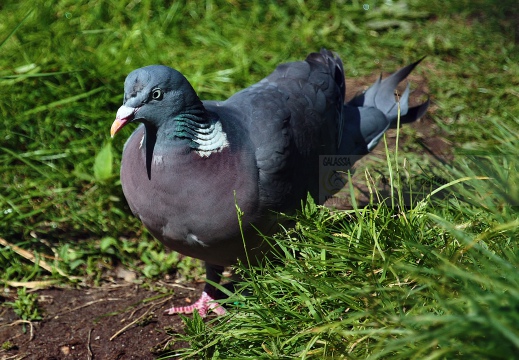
<point x="201" y="130"/>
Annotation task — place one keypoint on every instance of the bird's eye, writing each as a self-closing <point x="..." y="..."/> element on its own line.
<point x="156" y="94"/>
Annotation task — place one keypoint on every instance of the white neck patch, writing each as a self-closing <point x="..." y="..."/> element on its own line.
<point x="211" y="140"/>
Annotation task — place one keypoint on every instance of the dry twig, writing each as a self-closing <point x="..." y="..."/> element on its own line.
<point x="22" y="322"/>
<point x="87" y="304"/>
<point x="40" y="262"/>
<point x="150" y="309"/>
<point x="90" y="355"/>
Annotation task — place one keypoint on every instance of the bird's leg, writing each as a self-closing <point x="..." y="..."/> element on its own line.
<point x="206" y="302"/>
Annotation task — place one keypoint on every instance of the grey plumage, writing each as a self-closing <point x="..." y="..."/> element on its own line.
<point x="191" y="162"/>
<point x="369" y="115"/>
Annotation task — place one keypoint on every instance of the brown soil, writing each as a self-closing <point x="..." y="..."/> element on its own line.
<point x="117" y="321"/>
<point x="126" y="321"/>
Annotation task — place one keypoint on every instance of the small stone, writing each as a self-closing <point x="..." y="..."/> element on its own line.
<point x="65" y="350"/>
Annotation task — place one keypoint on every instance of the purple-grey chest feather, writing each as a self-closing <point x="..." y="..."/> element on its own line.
<point x="190" y="201"/>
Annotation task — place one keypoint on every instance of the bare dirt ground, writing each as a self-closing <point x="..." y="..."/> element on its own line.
<point x="116" y="321"/>
<point x="124" y="320"/>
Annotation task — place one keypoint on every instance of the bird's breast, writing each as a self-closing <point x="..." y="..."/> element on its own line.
<point x="190" y="202"/>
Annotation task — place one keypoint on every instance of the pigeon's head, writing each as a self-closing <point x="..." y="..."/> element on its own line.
<point x="153" y="95"/>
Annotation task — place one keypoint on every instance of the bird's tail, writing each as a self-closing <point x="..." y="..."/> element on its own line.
<point x="369" y="115"/>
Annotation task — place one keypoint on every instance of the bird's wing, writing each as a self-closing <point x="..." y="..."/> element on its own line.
<point x="292" y="116"/>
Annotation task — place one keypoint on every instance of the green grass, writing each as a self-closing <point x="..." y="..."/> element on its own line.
<point x="26" y="305"/>
<point x="435" y="281"/>
<point x="432" y="281"/>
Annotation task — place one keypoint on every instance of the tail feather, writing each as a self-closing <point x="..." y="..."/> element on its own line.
<point x="413" y="113"/>
<point x="369" y="115"/>
<point x="381" y="94"/>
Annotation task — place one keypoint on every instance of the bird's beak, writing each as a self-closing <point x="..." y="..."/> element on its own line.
<point x="125" y="114"/>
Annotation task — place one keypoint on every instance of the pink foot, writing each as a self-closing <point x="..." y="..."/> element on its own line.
<point x="202" y="305"/>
